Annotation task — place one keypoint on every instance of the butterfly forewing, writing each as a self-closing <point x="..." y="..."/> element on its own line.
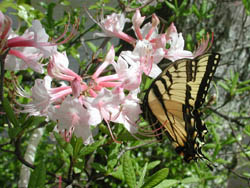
<point x="173" y="101"/>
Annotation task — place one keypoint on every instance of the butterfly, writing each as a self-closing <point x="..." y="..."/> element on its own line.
<point x="173" y="101"/>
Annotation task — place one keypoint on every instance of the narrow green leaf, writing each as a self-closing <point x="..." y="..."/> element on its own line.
<point x="50" y="11"/>
<point x="247" y="130"/>
<point x="224" y="86"/>
<point x="171" y="6"/>
<point x="246" y="4"/>
<point x="128" y="170"/>
<point x="59" y="139"/>
<point x="118" y="173"/>
<point x="241" y="90"/>
<point x="68" y="148"/>
<point x="244" y="82"/>
<point x="183" y="5"/>
<point x="91" y="148"/>
<point x="9" y="112"/>
<point x="190" y="180"/>
<point x="7" y="4"/>
<point x="13" y="132"/>
<point x="153" y="164"/>
<point x="228" y="141"/>
<point x="196" y="11"/>
<point x="38" y="176"/>
<point x="110" y="8"/>
<point x="99" y="167"/>
<point x="168" y="183"/>
<point x="203" y="8"/>
<point x="235" y="80"/>
<point x="112" y="156"/>
<point x="142" y="176"/>
<point x="246" y="174"/>
<point x="92" y="46"/>
<point x="77" y="146"/>
<point x="63" y="144"/>
<point x="156" y="178"/>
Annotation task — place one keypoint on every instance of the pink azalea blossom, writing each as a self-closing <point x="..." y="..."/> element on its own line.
<point x="129" y="75"/>
<point x="130" y="112"/>
<point x="105" y="81"/>
<point x="71" y="117"/>
<point x="41" y="97"/>
<point x="58" y="67"/>
<point x="176" y="41"/>
<point x="112" y="26"/>
<point x="28" y="49"/>
<point x="113" y="105"/>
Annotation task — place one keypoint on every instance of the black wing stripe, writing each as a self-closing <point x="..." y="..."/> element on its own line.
<point x="213" y="61"/>
<point x="173" y="101"/>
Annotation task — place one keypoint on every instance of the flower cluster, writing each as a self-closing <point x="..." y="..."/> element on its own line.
<point x="77" y="104"/>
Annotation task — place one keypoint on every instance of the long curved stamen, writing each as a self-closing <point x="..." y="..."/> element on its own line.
<point x="111" y="133"/>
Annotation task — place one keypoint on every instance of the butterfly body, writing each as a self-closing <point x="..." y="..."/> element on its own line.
<point x="172" y="103"/>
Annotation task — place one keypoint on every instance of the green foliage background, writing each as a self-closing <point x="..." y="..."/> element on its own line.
<point x="133" y="163"/>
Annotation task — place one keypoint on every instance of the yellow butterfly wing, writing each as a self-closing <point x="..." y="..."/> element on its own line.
<point x="173" y="100"/>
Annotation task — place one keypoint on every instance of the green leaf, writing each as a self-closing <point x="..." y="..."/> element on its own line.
<point x="38" y="176"/>
<point x="9" y="112"/>
<point x="203" y="8"/>
<point x="244" y="89"/>
<point x="156" y="178"/>
<point x="118" y="173"/>
<point x="171" y="6"/>
<point x="112" y="156"/>
<point x="128" y="170"/>
<point x="50" y="14"/>
<point x="247" y="130"/>
<point x="142" y="175"/>
<point x="168" y="183"/>
<point x="196" y="11"/>
<point x="224" y="86"/>
<point x="183" y="5"/>
<point x="153" y="164"/>
<point x="7" y="4"/>
<point x="64" y="145"/>
<point x="93" y="47"/>
<point x="190" y="180"/>
<point x="228" y="141"/>
<point x="246" y="4"/>
<point x="77" y="146"/>
<point x="13" y="132"/>
<point x="99" y="167"/>
<point x="246" y="174"/>
<point x="91" y="148"/>
<point x="68" y="148"/>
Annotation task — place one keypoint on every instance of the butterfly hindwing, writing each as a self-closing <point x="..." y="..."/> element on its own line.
<point x="172" y="102"/>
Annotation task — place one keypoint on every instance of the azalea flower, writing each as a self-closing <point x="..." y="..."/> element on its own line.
<point x="129" y="73"/>
<point x="40" y="95"/>
<point x="112" y="26"/>
<point x="114" y="106"/>
<point x="176" y="41"/>
<point x="71" y="117"/>
<point x="28" y="49"/>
